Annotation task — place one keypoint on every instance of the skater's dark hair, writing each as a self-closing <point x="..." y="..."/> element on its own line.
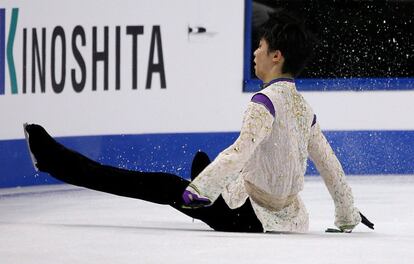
<point x="286" y="32"/>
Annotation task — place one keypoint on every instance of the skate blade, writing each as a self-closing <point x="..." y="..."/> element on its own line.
<point x="32" y="157"/>
<point x="334" y="230"/>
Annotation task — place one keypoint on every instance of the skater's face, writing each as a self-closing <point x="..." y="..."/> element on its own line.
<point x="266" y="62"/>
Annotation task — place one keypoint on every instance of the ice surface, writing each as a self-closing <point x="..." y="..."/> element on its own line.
<point x="66" y="224"/>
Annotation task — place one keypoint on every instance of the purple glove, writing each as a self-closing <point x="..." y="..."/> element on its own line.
<point x="193" y="200"/>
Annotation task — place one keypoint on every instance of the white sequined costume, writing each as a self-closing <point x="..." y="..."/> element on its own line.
<point x="268" y="160"/>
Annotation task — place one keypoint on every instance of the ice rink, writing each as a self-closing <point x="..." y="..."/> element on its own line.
<point x="66" y="224"/>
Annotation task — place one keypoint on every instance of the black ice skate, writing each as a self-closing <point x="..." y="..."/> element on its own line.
<point x="33" y="158"/>
<point x="200" y="162"/>
<point x="45" y="152"/>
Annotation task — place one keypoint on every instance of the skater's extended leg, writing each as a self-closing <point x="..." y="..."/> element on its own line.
<point x="74" y="168"/>
<point x="163" y="188"/>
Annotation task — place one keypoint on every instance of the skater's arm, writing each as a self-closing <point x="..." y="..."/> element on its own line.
<point x="328" y="165"/>
<point x="257" y="125"/>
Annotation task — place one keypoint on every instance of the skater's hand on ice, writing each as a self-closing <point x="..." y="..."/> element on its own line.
<point x="349" y="228"/>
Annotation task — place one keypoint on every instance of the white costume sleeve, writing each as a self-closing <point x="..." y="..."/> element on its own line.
<point x="325" y="160"/>
<point x="257" y="125"/>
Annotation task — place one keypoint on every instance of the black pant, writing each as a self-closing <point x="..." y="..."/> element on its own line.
<point x="162" y="188"/>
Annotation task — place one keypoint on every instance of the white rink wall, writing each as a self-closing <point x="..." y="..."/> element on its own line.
<point x="202" y="72"/>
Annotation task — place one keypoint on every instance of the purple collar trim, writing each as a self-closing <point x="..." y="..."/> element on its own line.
<point x="278" y="80"/>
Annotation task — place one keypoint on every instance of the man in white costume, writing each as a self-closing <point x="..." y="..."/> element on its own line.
<point x="253" y="185"/>
<point x="267" y="162"/>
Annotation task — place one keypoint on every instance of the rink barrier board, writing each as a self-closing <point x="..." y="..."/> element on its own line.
<point x="360" y="152"/>
<point x="342" y="84"/>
